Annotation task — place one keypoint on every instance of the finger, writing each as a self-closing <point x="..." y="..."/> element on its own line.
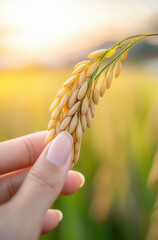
<point x="10" y="183"/>
<point x="21" y="152"/>
<point x="74" y="181"/>
<point x="51" y="220"/>
<point x="46" y="178"/>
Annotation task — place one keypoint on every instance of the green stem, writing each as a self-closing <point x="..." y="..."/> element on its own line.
<point x="135" y="36"/>
<point x="125" y="39"/>
<point x="130" y="44"/>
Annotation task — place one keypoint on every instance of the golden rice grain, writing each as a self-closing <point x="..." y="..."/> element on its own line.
<point x="97" y="53"/>
<point x="55" y="113"/>
<point x="117" y="69"/>
<point x="103" y="87"/>
<point x="83" y="122"/>
<point x="85" y="104"/>
<point x="82" y="90"/>
<point x="65" y="123"/>
<point x="89" y="118"/>
<point x="111" y="52"/>
<point x="95" y="96"/>
<point x="51" y="124"/>
<point x="109" y="79"/>
<point x="79" y="131"/>
<point x="64" y="100"/>
<point x="74" y="88"/>
<point x="61" y="92"/>
<point x="73" y="98"/>
<point x="80" y="63"/>
<point x="91" y="69"/>
<point x="124" y="56"/>
<point x="79" y="69"/>
<point x="77" y="147"/>
<point x="51" y="135"/>
<point x="76" y="157"/>
<point x="74" y="136"/>
<point x="70" y="81"/>
<point x="57" y="128"/>
<point x="61" y="117"/>
<point x="82" y="78"/>
<point x="74" y="108"/>
<point x="72" y="163"/>
<point x="65" y="111"/>
<point x="92" y="107"/>
<point x="73" y="124"/>
<point x="54" y="104"/>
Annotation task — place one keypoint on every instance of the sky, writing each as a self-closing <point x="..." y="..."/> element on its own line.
<point x="33" y="31"/>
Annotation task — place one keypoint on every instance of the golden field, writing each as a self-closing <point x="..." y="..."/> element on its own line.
<point x="116" y="154"/>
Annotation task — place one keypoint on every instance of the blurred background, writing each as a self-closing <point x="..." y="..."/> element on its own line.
<point x="40" y="41"/>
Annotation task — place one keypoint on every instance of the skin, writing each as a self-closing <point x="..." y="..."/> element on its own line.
<point x="29" y="185"/>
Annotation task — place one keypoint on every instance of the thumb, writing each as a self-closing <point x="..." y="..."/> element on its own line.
<point x="46" y="178"/>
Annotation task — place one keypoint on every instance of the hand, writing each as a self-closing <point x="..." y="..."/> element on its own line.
<point x="26" y="191"/>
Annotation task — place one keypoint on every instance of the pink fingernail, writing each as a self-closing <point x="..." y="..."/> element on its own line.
<point x="61" y="149"/>
<point x="82" y="178"/>
<point x="60" y="214"/>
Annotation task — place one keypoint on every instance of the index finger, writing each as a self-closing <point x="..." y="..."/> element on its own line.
<point x="21" y="152"/>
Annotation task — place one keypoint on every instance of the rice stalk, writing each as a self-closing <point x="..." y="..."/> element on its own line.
<point x="74" y="106"/>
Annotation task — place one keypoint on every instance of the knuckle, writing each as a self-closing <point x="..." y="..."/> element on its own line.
<point x="45" y="180"/>
<point x="30" y="150"/>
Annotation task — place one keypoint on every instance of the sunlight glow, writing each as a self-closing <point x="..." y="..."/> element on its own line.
<point x="35" y="29"/>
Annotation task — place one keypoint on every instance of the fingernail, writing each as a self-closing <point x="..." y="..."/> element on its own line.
<point x="61" y="149"/>
<point x="82" y="179"/>
<point x="60" y="214"/>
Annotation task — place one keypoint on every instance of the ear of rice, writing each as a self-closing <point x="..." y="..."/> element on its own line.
<point x="74" y="106"/>
<point x="97" y="53"/>
<point x="51" y="124"/>
<point x="109" y="78"/>
<point x="55" y="113"/>
<point x="77" y="147"/>
<point x="83" y="122"/>
<point x="89" y="118"/>
<point x="51" y="135"/>
<point x="82" y="90"/>
<point x="124" y="56"/>
<point x="70" y="81"/>
<point x="73" y="124"/>
<point x="91" y="69"/>
<point x="65" y="123"/>
<point x="54" y="104"/>
<point x="80" y="63"/>
<point x="95" y="96"/>
<point x="84" y="106"/>
<point x="57" y="128"/>
<point x="79" y="69"/>
<point x="111" y="52"/>
<point x="63" y="101"/>
<point x="117" y="69"/>
<point x="92" y="107"/>
<point x="61" y="92"/>
<point x="79" y="131"/>
<point x="82" y="78"/>
<point x="73" y="98"/>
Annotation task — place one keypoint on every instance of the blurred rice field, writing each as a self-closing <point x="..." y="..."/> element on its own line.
<point x="116" y="155"/>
